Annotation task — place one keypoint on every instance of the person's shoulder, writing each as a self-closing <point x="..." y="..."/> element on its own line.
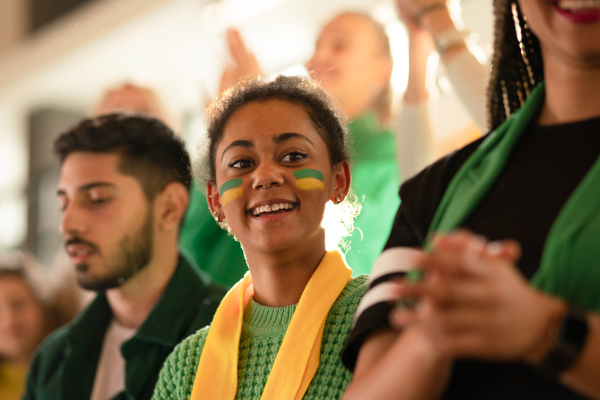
<point x="186" y="355"/>
<point x="191" y="347"/>
<point x="49" y="355"/>
<point x="177" y="375"/>
<point x="351" y="294"/>
<point x="440" y="172"/>
<point x="54" y="343"/>
<point x="200" y="280"/>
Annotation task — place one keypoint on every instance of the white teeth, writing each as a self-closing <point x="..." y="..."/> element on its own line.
<point x="270" y="208"/>
<point x="575" y="5"/>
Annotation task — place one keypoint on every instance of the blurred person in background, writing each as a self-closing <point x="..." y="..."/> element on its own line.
<point x="28" y="312"/>
<point x="129" y="97"/>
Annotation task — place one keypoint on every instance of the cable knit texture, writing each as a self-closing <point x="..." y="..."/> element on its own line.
<point x="262" y="333"/>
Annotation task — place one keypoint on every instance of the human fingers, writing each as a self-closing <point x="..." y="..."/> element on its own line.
<point x="406" y="13"/>
<point x="236" y="45"/>
<point x="400" y="318"/>
<point x="449" y="254"/>
<point x="451" y="291"/>
<point x="509" y="249"/>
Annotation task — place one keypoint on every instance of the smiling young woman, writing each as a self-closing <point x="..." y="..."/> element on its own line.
<point x="276" y="155"/>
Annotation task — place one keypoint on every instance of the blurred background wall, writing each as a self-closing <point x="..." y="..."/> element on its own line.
<point x="56" y="57"/>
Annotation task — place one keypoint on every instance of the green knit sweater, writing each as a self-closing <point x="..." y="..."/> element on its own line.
<point x="262" y="333"/>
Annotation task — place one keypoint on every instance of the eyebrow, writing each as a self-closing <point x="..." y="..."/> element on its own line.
<point x="290" y="135"/>
<point x="92" y="185"/>
<point x="237" y="143"/>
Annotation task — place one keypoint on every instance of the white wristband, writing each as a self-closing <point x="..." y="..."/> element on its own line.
<point x="449" y="38"/>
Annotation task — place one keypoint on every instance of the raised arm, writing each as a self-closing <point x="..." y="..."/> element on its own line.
<point x="414" y="139"/>
<point x="244" y="65"/>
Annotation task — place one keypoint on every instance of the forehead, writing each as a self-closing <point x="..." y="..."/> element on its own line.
<point x="82" y="168"/>
<point x="13" y="285"/>
<point x="350" y="26"/>
<point x="263" y="119"/>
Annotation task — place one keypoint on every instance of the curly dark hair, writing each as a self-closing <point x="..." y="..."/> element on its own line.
<point x="149" y="151"/>
<point x="516" y="64"/>
<point x="327" y="119"/>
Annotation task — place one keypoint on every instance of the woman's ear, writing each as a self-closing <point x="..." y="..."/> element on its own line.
<point x="341" y="182"/>
<point x="213" y="198"/>
<point x="172" y="204"/>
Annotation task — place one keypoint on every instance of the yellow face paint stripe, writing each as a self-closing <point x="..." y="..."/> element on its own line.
<point x="231" y="190"/>
<point x="310" y="184"/>
<point x="309" y="179"/>
<point x="231" y="195"/>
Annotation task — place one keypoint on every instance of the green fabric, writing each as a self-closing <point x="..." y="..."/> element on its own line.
<point x="216" y="252"/>
<point x="64" y="366"/>
<point x="375" y="181"/>
<point x="569" y="264"/>
<point x="262" y="334"/>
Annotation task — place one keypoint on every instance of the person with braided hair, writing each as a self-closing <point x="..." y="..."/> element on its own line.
<point x="489" y="286"/>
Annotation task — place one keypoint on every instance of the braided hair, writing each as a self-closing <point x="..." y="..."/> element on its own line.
<point x="516" y="64"/>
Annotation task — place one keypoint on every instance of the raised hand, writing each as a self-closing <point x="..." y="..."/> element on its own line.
<point x="244" y="64"/>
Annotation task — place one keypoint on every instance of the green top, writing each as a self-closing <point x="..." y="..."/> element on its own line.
<point x="262" y="334"/>
<point x="376" y="182"/>
<point x="216" y="252"/>
<point x="64" y="366"/>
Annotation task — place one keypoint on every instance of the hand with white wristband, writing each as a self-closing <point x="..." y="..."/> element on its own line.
<point x="435" y="18"/>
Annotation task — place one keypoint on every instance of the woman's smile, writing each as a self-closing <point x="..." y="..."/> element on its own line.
<point x="579" y="11"/>
<point x="272" y="207"/>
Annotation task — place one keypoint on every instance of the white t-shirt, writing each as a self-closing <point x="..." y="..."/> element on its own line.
<point x="110" y="375"/>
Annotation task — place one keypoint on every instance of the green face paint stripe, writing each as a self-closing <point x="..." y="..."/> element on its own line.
<point x="230" y="185"/>
<point x="309" y="173"/>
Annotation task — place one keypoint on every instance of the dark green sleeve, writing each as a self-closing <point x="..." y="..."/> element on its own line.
<point x="217" y="253"/>
<point x="31" y="379"/>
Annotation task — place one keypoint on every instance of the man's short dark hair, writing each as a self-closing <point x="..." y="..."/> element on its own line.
<point x="149" y="151"/>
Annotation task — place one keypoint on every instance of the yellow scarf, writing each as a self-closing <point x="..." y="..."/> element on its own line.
<point x="298" y="357"/>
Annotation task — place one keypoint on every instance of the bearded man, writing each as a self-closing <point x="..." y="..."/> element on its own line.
<point x="124" y="190"/>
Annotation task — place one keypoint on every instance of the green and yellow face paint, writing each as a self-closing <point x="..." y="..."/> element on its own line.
<point x="230" y="190"/>
<point x="309" y="179"/>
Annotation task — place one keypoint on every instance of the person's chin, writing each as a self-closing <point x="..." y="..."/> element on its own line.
<point x="95" y="284"/>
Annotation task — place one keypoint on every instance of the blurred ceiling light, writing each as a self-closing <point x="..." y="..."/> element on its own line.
<point x="217" y="16"/>
<point x="384" y="13"/>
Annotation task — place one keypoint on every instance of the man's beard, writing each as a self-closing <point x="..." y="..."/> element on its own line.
<point x="135" y="253"/>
